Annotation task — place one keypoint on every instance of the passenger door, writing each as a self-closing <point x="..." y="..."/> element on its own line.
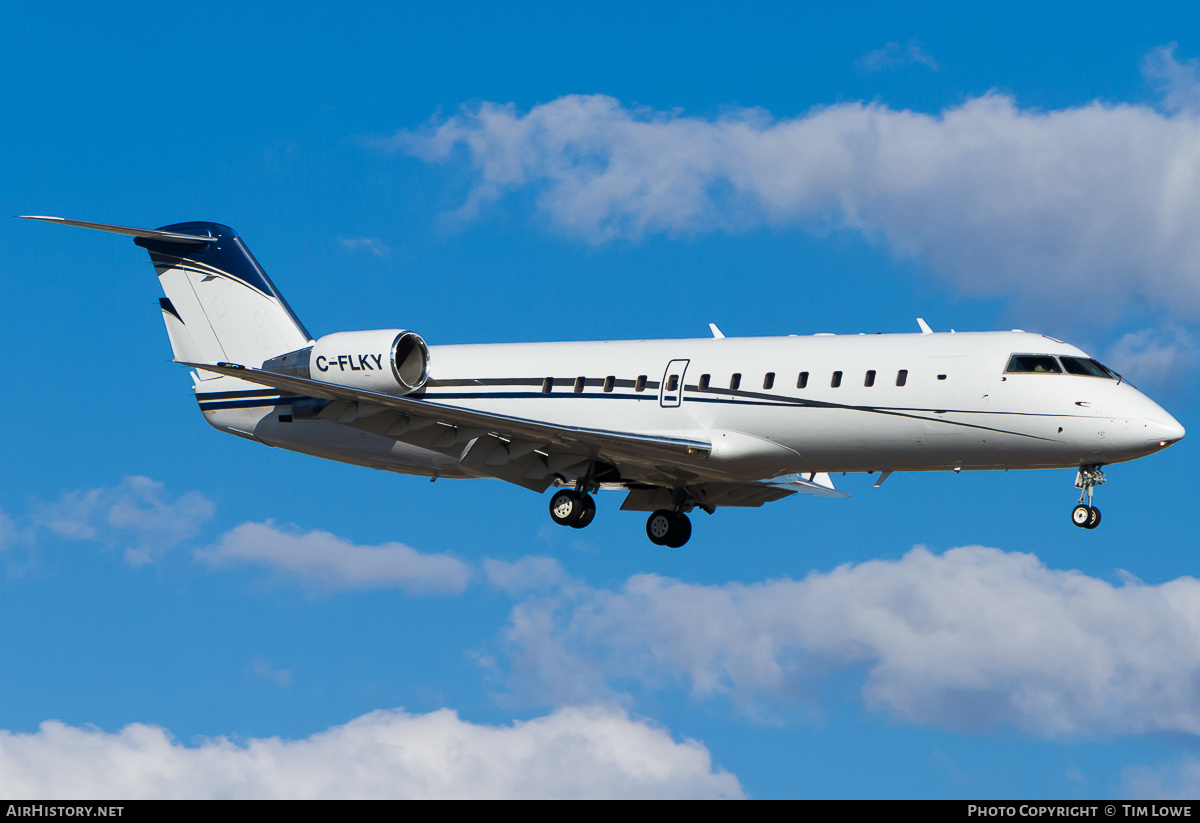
<point x="670" y="392"/>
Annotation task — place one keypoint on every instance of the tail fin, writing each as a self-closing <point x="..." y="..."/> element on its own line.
<point x="220" y="304"/>
<point x="228" y="308"/>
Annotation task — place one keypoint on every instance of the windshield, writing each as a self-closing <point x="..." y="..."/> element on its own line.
<point x="1050" y="364"/>
<point x="1086" y="366"/>
<point x="1033" y="364"/>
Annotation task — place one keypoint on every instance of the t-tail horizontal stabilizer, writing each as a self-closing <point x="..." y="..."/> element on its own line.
<point x="149" y="234"/>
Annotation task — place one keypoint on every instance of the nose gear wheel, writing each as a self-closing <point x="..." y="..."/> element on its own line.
<point x="1085" y="515"/>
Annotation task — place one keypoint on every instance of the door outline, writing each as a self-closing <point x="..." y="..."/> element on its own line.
<point x="671" y="399"/>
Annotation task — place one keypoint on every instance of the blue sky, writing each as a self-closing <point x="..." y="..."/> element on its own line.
<point x="187" y="614"/>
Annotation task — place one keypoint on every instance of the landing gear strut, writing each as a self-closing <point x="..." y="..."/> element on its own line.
<point x="572" y="508"/>
<point x="1085" y="515"/>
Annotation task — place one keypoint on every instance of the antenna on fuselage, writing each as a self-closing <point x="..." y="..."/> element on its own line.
<point x="924" y="326"/>
<point x="716" y="332"/>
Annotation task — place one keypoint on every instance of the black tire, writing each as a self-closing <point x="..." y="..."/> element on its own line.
<point x="587" y="512"/>
<point x="1093" y="518"/>
<point x="681" y="533"/>
<point x="565" y="508"/>
<point x="659" y="527"/>
<point x="1080" y="515"/>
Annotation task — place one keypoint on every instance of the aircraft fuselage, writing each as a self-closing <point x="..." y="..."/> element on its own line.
<point x="774" y="406"/>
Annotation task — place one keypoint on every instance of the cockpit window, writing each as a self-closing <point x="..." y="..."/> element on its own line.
<point x="1086" y="366"/>
<point x="1033" y="364"/>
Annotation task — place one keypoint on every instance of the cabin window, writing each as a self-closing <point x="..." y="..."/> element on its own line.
<point x="640" y="385"/>
<point x="901" y="377"/>
<point x="941" y="377"/>
<point x="673" y="383"/>
<point x="837" y="379"/>
<point x="704" y="382"/>
<point x="609" y="382"/>
<point x="802" y="380"/>
<point x="869" y="380"/>
<point x="547" y="385"/>
<point x="735" y="381"/>
<point x="769" y="380"/>
<point x="579" y="381"/>
<point x="1033" y="364"/>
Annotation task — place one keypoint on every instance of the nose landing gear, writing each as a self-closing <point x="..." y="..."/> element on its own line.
<point x="1085" y="515"/>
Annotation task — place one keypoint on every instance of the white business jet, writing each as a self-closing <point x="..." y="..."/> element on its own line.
<point x="676" y="424"/>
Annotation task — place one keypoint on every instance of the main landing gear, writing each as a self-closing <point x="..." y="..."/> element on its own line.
<point x="665" y="527"/>
<point x="1085" y="515"/>
<point x="572" y="508"/>
<point x="668" y="528"/>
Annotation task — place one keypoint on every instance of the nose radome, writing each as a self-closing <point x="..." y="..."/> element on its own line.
<point x="1166" y="431"/>
<point x="1158" y="428"/>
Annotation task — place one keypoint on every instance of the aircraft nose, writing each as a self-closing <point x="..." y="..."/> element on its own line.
<point x="1165" y="432"/>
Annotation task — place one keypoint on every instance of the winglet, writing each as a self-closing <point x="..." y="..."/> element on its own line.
<point x="715" y="331"/>
<point x="924" y="326"/>
<point x="149" y="234"/>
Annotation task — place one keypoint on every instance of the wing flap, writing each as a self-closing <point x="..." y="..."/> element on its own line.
<point x="743" y="495"/>
<point x="815" y="484"/>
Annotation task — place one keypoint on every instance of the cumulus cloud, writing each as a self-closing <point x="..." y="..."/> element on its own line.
<point x="972" y="639"/>
<point x="572" y="753"/>
<point x="333" y="562"/>
<point x="137" y="513"/>
<point x="1155" y="356"/>
<point x="1077" y="209"/>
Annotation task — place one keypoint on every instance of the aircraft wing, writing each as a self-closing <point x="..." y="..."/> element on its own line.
<point x="497" y="445"/>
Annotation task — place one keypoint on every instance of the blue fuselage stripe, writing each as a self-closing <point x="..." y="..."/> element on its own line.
<point x="250" y="399"/>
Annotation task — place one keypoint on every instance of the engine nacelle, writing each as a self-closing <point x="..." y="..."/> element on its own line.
<point x="394" y="361"/>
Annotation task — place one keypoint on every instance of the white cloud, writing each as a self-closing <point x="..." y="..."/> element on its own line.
<point x="1178" y="82"/>
<point x="1176" y="781"/>
<point x="1157" y="356"/>
<point x="1076" y="210"/>
<point x="572" y="753"/>
<point x="261" y="669"/>
<point x="372" y="244"/>
<point x="894" y="55"/>
<point x="972" y="639"/>
<point x="136" y="513"/>
<point x="328" y="560"/>
<point x="526" y="574"/>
